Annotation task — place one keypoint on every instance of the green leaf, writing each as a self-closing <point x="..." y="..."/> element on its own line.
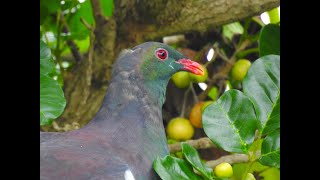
<point x="46" y="63"/>
<point x="47" y="8"/>
<point x="240" y="168"/>
<point x="230" y="122"/>
<point x="274" y="15"/>
<point x="269" y="40"/>
<point x="77" y="28"/>
<point x="171" y="168"/>
<point x="270" y="150"/>
<point x="262" y="86"/>
<point x="231" y="29"/>
<point x="213" y="93"/>
<point x="107" y="7"/>
<point x="270" y="174"/>
<point x="193" y="158"/>
<point x="52" y="101"/>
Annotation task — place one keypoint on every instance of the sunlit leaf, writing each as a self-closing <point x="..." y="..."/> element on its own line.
<point x="262" y="86"/>
<point x="269" y="40"/>
<point x="270" y="150"/>
<point x="171" y="168"/>
<point x="230" y="122"/>
<point x="193" y="158"/>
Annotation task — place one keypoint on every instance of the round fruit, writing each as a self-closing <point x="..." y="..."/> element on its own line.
<point x="250" y="176"/>
<point x="240" y="69"/>
<point x="181" y="79"/>
<point x="207" y="103"/>
<point x="223" y="170"/>
<point x="195" y="115"/>
<point x="180" y="129"/>
<point x="199" y="78"/>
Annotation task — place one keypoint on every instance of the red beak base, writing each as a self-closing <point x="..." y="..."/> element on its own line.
<point x="191" y="66"/>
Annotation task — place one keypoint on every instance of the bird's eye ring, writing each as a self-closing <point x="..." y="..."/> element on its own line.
<point x="161" y="54"/>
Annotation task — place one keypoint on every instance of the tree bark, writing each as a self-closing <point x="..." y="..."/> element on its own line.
<point x="149" y="20"/>
<point x="134" y="22"/>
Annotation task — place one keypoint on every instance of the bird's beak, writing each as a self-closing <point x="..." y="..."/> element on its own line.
<point x="191" y="66"/>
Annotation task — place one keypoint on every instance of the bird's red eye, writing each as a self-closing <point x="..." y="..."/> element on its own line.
<point x="161" y="54"/>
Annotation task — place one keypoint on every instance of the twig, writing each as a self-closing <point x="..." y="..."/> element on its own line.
<point x="194" y="94"/>
<point x="184" y="102"/>
<point x="88" y="74"/>
<point x="231" y="159"/>
<point x="73" y="47"/>
<point x="223" y="57"/>
<point x="202" y="143"/>
<point x="85" y="23"/>
<point x="58" y="50"/>
<point x="96" y="9"/>
<point x="246" y="52"/>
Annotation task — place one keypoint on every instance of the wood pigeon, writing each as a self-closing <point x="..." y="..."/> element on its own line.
<point x="127" y="133"/>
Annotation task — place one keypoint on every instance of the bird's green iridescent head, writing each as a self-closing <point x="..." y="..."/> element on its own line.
<point x="160" y="62"/>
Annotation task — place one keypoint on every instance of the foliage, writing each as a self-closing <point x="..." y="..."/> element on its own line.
<point x="231" y="121"/>
<point x="60" y="22"/>
<point x="52" y="101"/>
<point x="246" y="120"/>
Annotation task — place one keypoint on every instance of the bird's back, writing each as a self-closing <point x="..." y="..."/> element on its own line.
<point x="116" y="145"/>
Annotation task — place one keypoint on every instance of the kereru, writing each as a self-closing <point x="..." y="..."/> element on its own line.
<point x="127" y="133"/>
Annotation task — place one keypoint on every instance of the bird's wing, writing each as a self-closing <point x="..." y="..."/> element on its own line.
<point x="68" y="158"/>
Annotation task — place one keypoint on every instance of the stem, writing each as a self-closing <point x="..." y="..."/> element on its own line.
<point x="194" y="94"/>
<point x="58" y="50"/>
<point x="245" y="30"/>
<point x="184" y="102"/>
<point x="247" y="170"/>
<point x="246" y="52"/>
<point x="253" y="155"/>
<point x="85" y="23"/>
<point x="258" y="20"/>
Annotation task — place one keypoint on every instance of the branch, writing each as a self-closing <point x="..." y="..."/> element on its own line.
<point x="89" y="78"/>
<point x="231" y="159"/>
<point x="192" y="15"/>
<point x="86" y="24"/>
<point x="73" y="47"/>
<point x="202" y="143"/>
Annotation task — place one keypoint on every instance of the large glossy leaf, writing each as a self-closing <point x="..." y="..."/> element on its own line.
<point x="262" y="86"/>
<point x="270" y="150"/>
<point x="193" y="158"/>
<point x="230" y="122"/>
<point x="231" y="29"/>
<point x="52" y="101"/>
<point x="46" y="63"/>
<point x="269" y="40"/>
<point x="171" y="168"/>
